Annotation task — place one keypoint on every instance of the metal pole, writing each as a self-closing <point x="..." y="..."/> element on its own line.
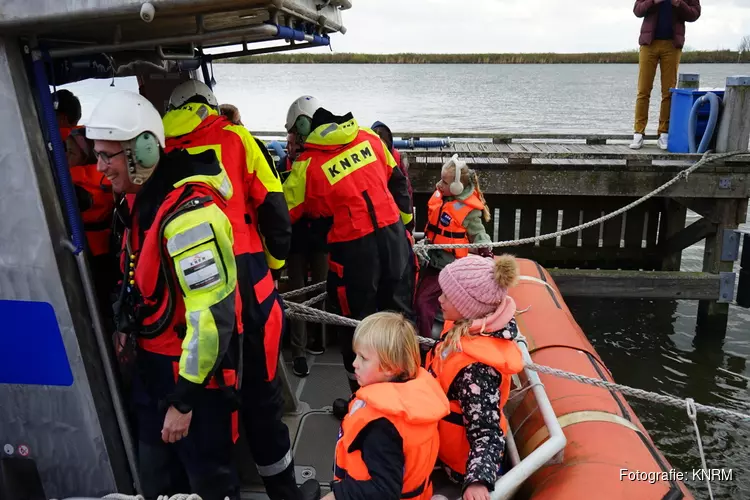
<point x="109" y="372"/>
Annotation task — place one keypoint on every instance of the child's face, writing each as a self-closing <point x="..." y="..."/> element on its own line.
<point x="367" y="367"/>
<point x="450" y="313"/>
<point x="446" y="178"/>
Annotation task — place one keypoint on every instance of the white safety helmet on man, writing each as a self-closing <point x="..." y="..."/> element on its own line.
<point x="189" y="89"/>
<point x="130" y="119"/>
<point x="300" y="115"/>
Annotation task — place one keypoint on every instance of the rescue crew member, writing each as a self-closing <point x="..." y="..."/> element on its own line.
<point x="97" y="204"/>
<point x="388" y="442"/>
<point x="345" y="173"/>
<point x="474" y="362"/>
<point x="308" y="256"/>
<point x="67" y="111"/>
<point x="178" y="299"/>
<point x="386" y="136"/>
<point x="454" y="215"/>
<point x="262" y="233"/>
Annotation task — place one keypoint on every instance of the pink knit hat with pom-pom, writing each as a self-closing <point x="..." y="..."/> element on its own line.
<point x="476" y="285"/>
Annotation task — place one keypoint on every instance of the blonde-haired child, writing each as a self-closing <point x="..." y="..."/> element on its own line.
<point x="454" y="215"/>
<point x="388" y="442"/>
<point x="473" y="362"/>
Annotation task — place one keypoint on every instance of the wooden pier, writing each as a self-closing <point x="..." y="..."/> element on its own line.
<point x="538" y="184"/>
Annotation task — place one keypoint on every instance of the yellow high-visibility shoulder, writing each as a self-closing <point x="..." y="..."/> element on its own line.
<point x="296" y="183"/>
<point x="256" y="160"/>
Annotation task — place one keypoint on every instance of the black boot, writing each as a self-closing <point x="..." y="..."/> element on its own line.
<point x="283" y="486"/>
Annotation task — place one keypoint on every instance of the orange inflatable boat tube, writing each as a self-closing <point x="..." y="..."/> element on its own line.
<point x="608" y="454"/>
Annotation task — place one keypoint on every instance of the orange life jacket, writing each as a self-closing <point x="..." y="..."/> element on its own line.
<point x="97" y="219"/>
<point x="502" y="355"/>
<point x="349" y="182"/>
<point x="445" y="219"/>
<point x="414" y="407"/>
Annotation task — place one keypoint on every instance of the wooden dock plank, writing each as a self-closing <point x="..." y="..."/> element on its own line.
<point x="636" y="284"/>
<point x="590" y="236"/>
<point x="548" y="225"/>
<point x="634" y="223"/>
<point x="571" y="218"/>
<point x="528" y="223"/>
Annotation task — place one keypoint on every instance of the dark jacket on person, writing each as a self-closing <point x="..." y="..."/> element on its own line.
<point x="686" y="11"/>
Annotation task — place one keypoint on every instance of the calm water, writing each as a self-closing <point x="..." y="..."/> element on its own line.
<point x="647" y="344"/>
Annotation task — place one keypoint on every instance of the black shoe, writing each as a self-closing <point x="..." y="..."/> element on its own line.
<point x="340" y="408"/>
<point x="299" y="367"/>
<point x="315" y="346"/>
<point x="310" y="490"/>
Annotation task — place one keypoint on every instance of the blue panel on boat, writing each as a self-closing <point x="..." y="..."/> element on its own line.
<point x="31" y="345"/>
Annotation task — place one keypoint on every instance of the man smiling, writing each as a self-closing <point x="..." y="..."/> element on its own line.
<point x="177" y="301"/>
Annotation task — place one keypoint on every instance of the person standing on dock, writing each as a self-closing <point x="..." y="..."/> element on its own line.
<point x="347" y="174"/>
<point x="662" y="38"/>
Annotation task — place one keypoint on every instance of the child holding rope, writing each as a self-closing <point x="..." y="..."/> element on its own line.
<point x="388" y="442"/>
<point x="474" y="361"/>
<point x="454" y="215"/>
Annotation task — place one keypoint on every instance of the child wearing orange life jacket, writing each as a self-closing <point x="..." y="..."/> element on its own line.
<point x="388" y="442"/>
<point x="473" y="362"/>
<point x="454" y="215"/>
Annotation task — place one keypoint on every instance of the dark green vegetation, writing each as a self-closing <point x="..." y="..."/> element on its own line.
<point x="629" y="57"/>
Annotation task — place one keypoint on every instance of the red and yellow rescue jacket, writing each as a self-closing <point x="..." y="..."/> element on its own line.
<point x="179" y="295"/>
<point x="97" y="217"/>
<point x="347" y="173"/>
<point x="502" y="355"/>
<point x="256" y="209"/>
<point x="445" y="221"/>
<point x="414" y="408"/>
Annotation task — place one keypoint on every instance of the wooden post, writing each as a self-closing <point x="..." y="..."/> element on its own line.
<point x="734" y="129"/>
<point x="713" y="316"/>
<point x="688" y="81"/>
<point x="672" y="222"/>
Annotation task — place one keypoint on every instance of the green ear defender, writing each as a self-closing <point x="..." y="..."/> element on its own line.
<point x="303" y="125"/>
<point x="146" y="150"/>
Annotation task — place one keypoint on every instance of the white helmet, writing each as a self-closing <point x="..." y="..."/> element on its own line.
<point x="189" y="89"/>
<point x="305" y="106"/>
<point x="122" y="115"/>
<point x="131" y="119"/>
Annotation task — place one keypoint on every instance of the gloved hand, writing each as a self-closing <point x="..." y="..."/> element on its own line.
<point x="485" y="252"/>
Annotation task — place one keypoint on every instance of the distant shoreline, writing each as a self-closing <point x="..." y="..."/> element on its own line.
<point x="629" y="57"/>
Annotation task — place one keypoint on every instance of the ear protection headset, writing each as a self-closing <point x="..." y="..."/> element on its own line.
<point x="303" y="125"/>
<point x="143" y="155"/>
<point x="456" y="186"/>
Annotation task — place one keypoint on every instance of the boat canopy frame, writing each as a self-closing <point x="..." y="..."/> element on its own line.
<point x="166" y="33"/>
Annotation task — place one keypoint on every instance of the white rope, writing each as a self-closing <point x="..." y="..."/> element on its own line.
<point x="421" y="248"/>
<point x="693" y="416"/>
<point x="303" y="291"/>
<point x="298" y="311"/>
<point x="315" y="300"/>
<point x="640" y="393"/>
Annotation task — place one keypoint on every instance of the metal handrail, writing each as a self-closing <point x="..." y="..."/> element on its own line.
<point x="511" y="481"/>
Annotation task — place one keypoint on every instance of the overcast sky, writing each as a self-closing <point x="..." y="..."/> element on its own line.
<point x="450" y="26"/>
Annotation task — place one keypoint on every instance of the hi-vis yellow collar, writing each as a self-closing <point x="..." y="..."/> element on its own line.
<point x="186" y="118"/>
<point x="334" y="134"/>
